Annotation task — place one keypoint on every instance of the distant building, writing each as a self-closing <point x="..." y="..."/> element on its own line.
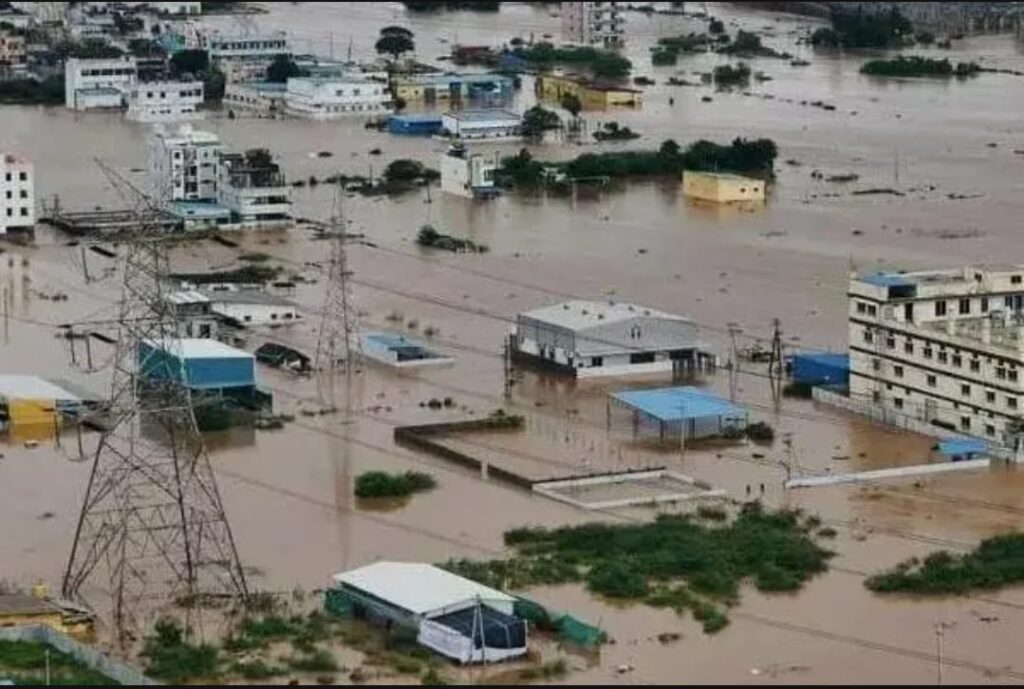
<point x="245" y="57"/>
<point x="254" y="192"/>
<point x="720" y="187"/>
<point x="249" y="308"/>
<point x="191" y="311"/>
<point x="400" y="351"/>
<point x="593" y="23"/>
<point x="165" y="101"/>
<point x="21" y="610"/>
<point x="92" y="84"/>
<point x="183" y="164"/>
<point x="20" y="18"/>
<point x="17" y="194"/>
<point x="453" y="89"/>
<point x="417" y="124"/>
<point x="481" y="124"/>
<point x="13" y="56"/>
<point x="328" y="98"/>
<point x="468" y="175"/>
<point x="587" y="339"/>
<point x="593" y="95"/>
<point x="189" y="9"/>
<point x="942" y="346"/>
<point x="264" y="97"/>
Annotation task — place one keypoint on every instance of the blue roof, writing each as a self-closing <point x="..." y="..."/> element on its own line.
<point x="825" y="359"/>
<point x="886" y="280"/>
<point x="391" y="341"/>
<point x="963" y="446"/>
<point x="416" y="118"/>
<point x="676" y="404"/>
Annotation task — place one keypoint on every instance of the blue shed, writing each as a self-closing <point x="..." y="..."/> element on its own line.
<point x="414" y="125"/>
<point x="206" y="364"/>
<point x="821" y="368"/>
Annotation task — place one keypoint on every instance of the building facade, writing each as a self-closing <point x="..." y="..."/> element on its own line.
<point x="245" y="57"/>
<point x="588" y="339"/>
<point x="92" y="84"/>
<point x="481" y="124"/>
<point x="719" y="187"/>
<point x="165" y="101"/>
<point x="427" y="89"/>
<point x="13" y="56"/>
<point x="593" y="23"/>
<point x="593" y="95"/>
<point x="468" y="175"/>
<point x="183" y="164"/>
<point x="250" y="308"/>
<point x="17" y="194"/>
<point x="328" y="98"/>
<point x="263" y="97"/>
<point x="944" y="346"/>
<point x="255" y="192"/>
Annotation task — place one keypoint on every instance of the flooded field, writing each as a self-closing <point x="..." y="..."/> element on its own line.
<point x="288" y="492"/>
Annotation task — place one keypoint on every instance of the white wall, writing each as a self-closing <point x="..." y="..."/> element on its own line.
<point x="326" y="99"/>
<point x="257" y="314"/>
<point x="80" y="74"/>
<point x="165" y="101"/>
<point x="17" y="194"/>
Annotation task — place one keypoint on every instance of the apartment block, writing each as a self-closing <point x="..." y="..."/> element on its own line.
<point x="17" y="194"/>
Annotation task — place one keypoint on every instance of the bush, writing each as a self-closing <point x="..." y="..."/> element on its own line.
<point x="760" y="431"/>
<point x="859" y="29"/>
<point x="601" y="63"/>
<point x="169" y="656"/>
<point x="256" y="669"/>
<point x="49" y="91"/>
<point x="318" y="661"/>
<point x="616" y="579"/>
<point x="916" y="66"/>
<point x="729" y="75"/>
<point x="380" y="484"/>
<point x="404" y="170"/>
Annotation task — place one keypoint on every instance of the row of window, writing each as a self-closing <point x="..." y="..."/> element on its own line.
<point x="249" y="45"/>
<point x="187" y="93"/>
<point x="116" y="72"/>
<point x="23" y="213"/>
<point x="966" y="422"/>
<point x="1003" y="371"/>
<point x="357" y="107"/>
<point x="22" y="176"/>
<point x="22" y="194"/>
<point x="932" y="381"/>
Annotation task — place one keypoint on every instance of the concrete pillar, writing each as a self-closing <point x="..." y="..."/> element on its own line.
<point x="1020" y="339"/>
<point x="986" y="330"/>
<point x="951" y="326"/>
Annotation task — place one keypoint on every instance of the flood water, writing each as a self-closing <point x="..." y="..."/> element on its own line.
<point x="288" y="492"/>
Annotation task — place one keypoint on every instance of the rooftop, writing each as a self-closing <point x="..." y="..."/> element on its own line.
<point x="939" y="277"/>
<point x="23" y="604"/>
<point x="483" y="115"/>
<point x="418" y="588"/>
<point x="720" y="175"/>
<point x="447" y="78"/>
<point x="196" y="348"/>
<point x="16" y="386"/>
<point x="247" y="296"/>
<point x="186" y="134"/>
<point x="187" y="297"/>
<point x="677" y="404"/>
<point x="578" y="315"/>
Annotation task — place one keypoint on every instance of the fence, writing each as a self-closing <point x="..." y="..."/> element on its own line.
<point x="90" y="657"/>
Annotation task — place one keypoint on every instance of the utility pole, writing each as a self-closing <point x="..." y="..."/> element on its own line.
<point x="85" y="265"/>
<point x="940" y="634"/>
<point x="338" y="321"/>
<point x="734" y="360"/>
<point x="152" y="520"/>
<point x="508" y="370"/>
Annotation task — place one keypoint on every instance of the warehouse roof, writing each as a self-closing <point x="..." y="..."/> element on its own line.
<point x="204" y="348"/>
<point x="32" y="387"/>
<point x="22" y="604"/>
<point x="483" y="115"/>
<point x="417" y="588"/>
<point x="247" y="296"/>
<point x="579" y="315"/>
<point x="676" y="404"/>
<point x="190" y="296"/>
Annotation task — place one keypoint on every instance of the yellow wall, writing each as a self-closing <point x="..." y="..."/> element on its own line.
<point x="552" y="88"/>
<point x="722" y="189"/>
<point x="54" y="620"/>
<point x="31" y="412"/>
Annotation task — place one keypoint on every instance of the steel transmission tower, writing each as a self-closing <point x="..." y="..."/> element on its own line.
<point x="338" y="336"/>
<point x="152" y="518"/>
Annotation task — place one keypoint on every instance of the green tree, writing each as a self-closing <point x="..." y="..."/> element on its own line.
<point x="395" y="30"/>
<point x="190" y="62"/>
<point x="571" y="103"/>
<point x="282" y="69"/>
<point x="213" y="86"/>
<point x="716" y="26"/>
<point x="394" y="45"/>
<point x="403" y="170"/>
<point x="538" y="120"/>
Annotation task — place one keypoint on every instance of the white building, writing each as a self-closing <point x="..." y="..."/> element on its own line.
<point x="17" y="194"/>
<point x="589" y="339"/>
<point x="245" y="57"/>
<point x="481" y="124"/>
<point x="592" y="23"/>
<point x="91" y="84"/>
<point x="190" y="9"/>
<point x="183" y="164"/>
<point x="943" y="346"/>
<point x="249" y="308"/>
<point x="328" y="98"/>
<point x="256" y="194"/>
<point x="165" y="101"/>
<point x="468" y="175"/>
<point x="263" y="97"/>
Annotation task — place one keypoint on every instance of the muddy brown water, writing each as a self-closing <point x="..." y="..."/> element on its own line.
<point x="288" y="492"/>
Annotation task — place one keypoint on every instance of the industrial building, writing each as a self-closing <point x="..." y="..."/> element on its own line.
<point x="679" y="412"/>
<point x="593" y="23"/>
<point x="821" y="368"/>
<point x="414" y="125"/>
<point x="400" y="351"/>
<point x="470" y="175"/>
<point x="334" y="97"/>
<point x="943" y="346"/>
<point x="17" y="194"/>
<point x="254" y="191"/>
<point x="719" y="187"/>
<point x="264" y="97"/>
<point x="28" y="402"/>
<point x="100" y="83"/>
<point x="244" y="56"/>
<point x="453" y="89"/>
<point x="481" y="124"/>
<point x="191" y="311"/>
<point x="456" y="617"/>
<point x="183" y="164"/>
<point x="593" y="94"/>
<point x="588" y="339"/>
<point x="165" y="101"/>
<point x="249" y="308"/>
<point x="39" y="610"/>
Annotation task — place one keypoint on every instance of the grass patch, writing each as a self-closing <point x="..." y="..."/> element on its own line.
<point x="24" y="662"/>
<point x="380" y="484"/>
<point x="171" y="657"/>
<point x="554" y="669"/>
<point x="256" y="669"/>
<point x="917" y="66"/>
<point x="255" y="257"/>
<point x="675" y="561"/>
<point x="429" y="237"/>
<point x="995" y="563"/>
<point x="317" y="661"/>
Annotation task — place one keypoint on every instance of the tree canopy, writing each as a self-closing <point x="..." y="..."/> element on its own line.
<point x="538" y="120"/>
<point x="282" y="69"/>
<point x="190" y="61"/>
<point x="859" y="29"/>
<point x="394" y="45"/>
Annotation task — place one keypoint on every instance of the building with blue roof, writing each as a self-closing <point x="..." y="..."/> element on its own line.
<point x="821" y="368"/>
<point x="669" y="412"/>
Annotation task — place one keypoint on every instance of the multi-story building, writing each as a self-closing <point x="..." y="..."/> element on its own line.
<point x="490" y="90"/>
<point x="254" y="191"/>
<point x="468" y="175"/>
<point x="262" y="97"/>
<point x="943" y="346"/>
<point x="91" y="84"/>
<point x="592" y="23"/>
<point x="165" y="101"/>
<point x="17" y="194"/>
<point x="592" y="94"/>
<point x="245" y="57"/>
<point x="329" y="98"/>
<point x="13" y="57"/>
<point x="183" y="164"/>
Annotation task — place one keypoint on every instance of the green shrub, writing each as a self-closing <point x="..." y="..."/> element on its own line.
<point x="759" y="431"/>
<point x="616" y="579"/>
<point x="380" y="484"/>
<point x="318" y="661"/>
<point x="256" y="669"/>
<point x="169" y="656"/>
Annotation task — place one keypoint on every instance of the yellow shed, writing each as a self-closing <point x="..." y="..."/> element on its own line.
<point x="720" y="187"/>
<point x="593" y="95"/>
<point x="20" y="610"/>
<point x="33" y="402"/>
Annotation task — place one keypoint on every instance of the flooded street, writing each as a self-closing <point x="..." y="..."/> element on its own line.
<point x="289" y="492"/>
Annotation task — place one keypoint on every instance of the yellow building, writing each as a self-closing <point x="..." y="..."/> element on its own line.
<point x="593" y="95"/>
<point x="20" y="610"/>
<point x="721" y="187"/>
<point x="33" y="404"/>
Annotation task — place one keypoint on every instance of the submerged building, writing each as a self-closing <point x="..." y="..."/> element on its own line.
<point x="466" y="174"/>
<point x="592" y="94"/>
<point x="593" y="23"/>
<point x="720" y="187"/>
<point x="17" y="194"/>
<point x="942" y="346"/>
<point x="589" y="338"/>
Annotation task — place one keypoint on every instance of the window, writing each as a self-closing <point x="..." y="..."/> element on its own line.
<point x="897" y="402"/>
<point x="931" y="381"/>
<point x="24" y="194"/>
<point x="990" y="396"/>
<point x="940" y="308"/>
<point x="965" y="306"/>
<point x="876" y="396"/>
<point x="943" y="357"/>
<point x="890" y="342"/>
<point x="1011" y="402"/>
<point x="965" y="423"/>
<point x="965" y="390"/>
<point x="861" y="307"/>
<point x="24" y="212"/>
<point x="927" y="351"/>
<point x="1001" y="373"/>
<point x="908" y="347"/>
<point x="1015" y="280"/>
<point x="597" y="361"/>
<point x="872" y="310"/>
<point x="975" y="365"/>
<point x="908" y="313"/>
<point x="248" y="319"/>
<point x="958" y="360"/>
<point x="10" y="194"/>
<point x="641" y="358"/>
<point x="897" y="371"/>
<point x="876" y="365"/>
<point x="984" y="304"/>
<point x="273" y="316"/>
<point x="990" y="430"/>
<point x="23" y="176"/>
<point x="1012" y="375"/>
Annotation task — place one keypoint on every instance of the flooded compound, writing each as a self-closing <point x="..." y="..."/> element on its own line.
<point x="949" y="147"/>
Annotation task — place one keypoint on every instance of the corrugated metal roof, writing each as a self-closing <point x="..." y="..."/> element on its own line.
<point x="32" y="387"/>
<point x="676" y="404"/>
<point x="418" y="588"/>
<point x="482" y="115"/>
<point x="247" y="296"/>
<point x="22" y="604"/>
<point x="202" y="348"/>
<point x="190" y="296"/>
<point x="579" y="315"/>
